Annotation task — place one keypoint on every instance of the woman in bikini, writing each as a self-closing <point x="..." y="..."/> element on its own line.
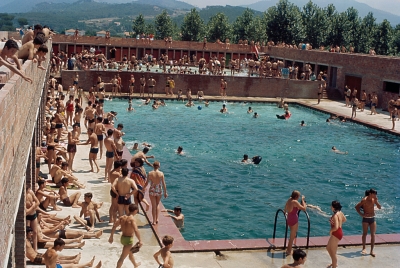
<point x="291" y="208"/>
<point x="157" y="182"/>
<point x="336" y="232"/>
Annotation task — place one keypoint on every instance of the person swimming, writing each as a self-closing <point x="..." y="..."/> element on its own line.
<point x="338" y="151"/>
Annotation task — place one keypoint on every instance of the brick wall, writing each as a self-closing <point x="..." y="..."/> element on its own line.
<point x="19" y="104"/>
<point x="237" y="86"/>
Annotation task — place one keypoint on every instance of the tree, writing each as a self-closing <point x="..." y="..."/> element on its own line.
<point x="164" y="26"/>
<point x="192" y="28"/>
<point x="242" y="25"/>
<point x="368" y="28"/>
<point x="315" y="24"/>
<point x="395" y="45"/>
<point x="352" y="28"/>
<point x="6" y="23"/>
<point x="284" y="23"/>
<point x="383" y="38"/>
<point x="218" y="27"/>
<point x="139" y="25"/>
<point x="337" y="29"/>
<point x="22" y="21"/>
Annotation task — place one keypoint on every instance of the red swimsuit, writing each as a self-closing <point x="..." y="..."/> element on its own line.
<point x="339" y="232"/>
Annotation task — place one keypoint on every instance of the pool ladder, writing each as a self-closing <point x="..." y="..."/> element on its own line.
<point x="286" y="228"/>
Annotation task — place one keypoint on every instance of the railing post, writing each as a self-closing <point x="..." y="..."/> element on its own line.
<point x="286" y="228"/>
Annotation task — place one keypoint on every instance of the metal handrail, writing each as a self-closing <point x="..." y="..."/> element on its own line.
<point x="309" y="225"/>
<point x="276" y="217"/>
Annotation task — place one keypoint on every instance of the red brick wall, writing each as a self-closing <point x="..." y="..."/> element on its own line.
<point x="237" y="86"/>
<point x="19" y="104"/>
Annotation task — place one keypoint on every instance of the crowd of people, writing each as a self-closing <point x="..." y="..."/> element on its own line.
<point x="62" y="135"/>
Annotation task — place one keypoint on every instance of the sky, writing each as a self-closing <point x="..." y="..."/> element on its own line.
<point x="392" y="6"/>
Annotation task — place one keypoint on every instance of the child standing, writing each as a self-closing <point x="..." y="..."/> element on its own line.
<point x="165" y="253"/>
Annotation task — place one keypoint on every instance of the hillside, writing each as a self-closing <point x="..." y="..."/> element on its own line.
<point x="21" y="6"/>
<point x="341" y="5"/>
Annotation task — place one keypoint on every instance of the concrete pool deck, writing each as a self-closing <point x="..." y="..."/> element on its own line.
<point x="201" y="253"/>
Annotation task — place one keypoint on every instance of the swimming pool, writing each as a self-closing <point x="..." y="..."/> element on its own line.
<point x="225" y="199"/>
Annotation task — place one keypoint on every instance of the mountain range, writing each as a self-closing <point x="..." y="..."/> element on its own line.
<point x="22" y="6"/>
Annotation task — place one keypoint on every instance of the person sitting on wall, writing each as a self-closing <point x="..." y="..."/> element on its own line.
<point x="9" y="51"/>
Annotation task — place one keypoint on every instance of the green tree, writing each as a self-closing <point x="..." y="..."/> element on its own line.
<point x="243" y="24"/>
<point x="6" y="22"/>
<point x="22" y="21"/>
<point x="315" y="24"/>
<point x="383" y="38"/>
<point x="139" y="25"/>
<point x="218" y="27"/>
<point x="337" y="28"/>
<point x="395" y="45"/>
<point x="192" y="28"/>
<point x="352" y="28"/>
<point x="163" y="25"/>
<point x="284" y="23"/>
<point x="368" y="28"/>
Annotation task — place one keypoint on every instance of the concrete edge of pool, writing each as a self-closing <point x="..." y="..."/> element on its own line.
<point x="167" y="227"/>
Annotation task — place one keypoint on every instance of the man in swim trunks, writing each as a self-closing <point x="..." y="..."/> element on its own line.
<point x="89" y="211"/>
<point x="113" y="175"/>
<point x="124" y="188"/>
<point x="142" y="86"/>
<point x="178" y="217"/>
<point x="73" y="139"/>
<point x="89" y="115"/>
<point x="118" y="141"/>
<point x="151" y="83"/>
<point x="142" y="155"/>
<point x="299" y="257"/>
<point x="94" y="149"/>
<point x="129" y="230"/>
<point x="50" y="258"/>
<point x="46" y="197"/>
<point x="68" y="201"/>
<point x="99" y="130"/>
<point x="111" y="152"/>
<point x="367" y="205"/>
<point x="31" y="205"/>
<point x="37" y="258"/>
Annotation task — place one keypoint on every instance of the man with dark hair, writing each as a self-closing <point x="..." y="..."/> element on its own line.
<point x="111" y="152"/>
<point x="46" y="197"/>
<point x="129" y="230"/>
<point x="299" y="257"/>
<point x="28" y="50"/>
<point x="50" y="258"/>
<point x="31" y="34"/>
<point x="10" y="50"/>
<point x="124" y="188"/>
<point x="68" y="201"/>
<point x="37" y="258"/>
<point x="89" y="211"/>
<point x="367" y="205"/>
<point x="142" y="155"/>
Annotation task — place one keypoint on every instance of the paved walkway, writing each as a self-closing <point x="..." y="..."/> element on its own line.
<point x="347" y="256"/>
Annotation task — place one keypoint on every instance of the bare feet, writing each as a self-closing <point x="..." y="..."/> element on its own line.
<point x="80" y="238"/>
<point x="80" y="245"/>
<point x="91" y="262"/>
<point x="57" y="208"/>
<point x="137" y="264"/>
<point x="363" y="252"/>
<point x="75" y="206"/>
<point x="78" y="258"/>
<point x="98" y="265"/>
<point x="99" y="233"/>
<point x="373" y="254"/>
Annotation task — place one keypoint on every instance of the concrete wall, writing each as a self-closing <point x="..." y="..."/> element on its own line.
<point x="237" y="86"/>
<point x="19" y="108"/>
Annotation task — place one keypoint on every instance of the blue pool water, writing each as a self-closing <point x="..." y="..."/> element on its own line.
<point x="225" y="199"/>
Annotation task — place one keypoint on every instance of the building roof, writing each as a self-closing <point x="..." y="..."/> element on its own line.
<point x="101" y="32"/>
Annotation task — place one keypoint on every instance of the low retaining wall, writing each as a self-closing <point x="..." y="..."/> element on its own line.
<point x="209" y="84"/>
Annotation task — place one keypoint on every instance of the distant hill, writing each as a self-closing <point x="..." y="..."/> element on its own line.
<point x="341" y="5"/>
<point x="22" y="6"/>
